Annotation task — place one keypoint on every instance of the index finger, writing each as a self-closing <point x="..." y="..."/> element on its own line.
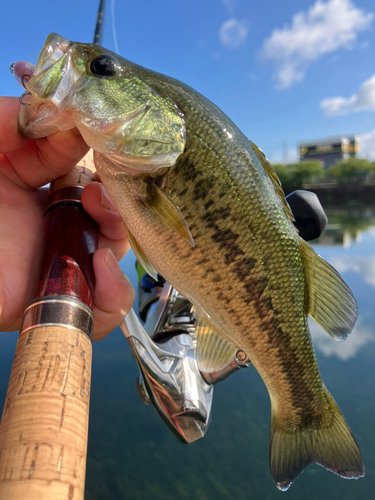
<point x="31" y="164"/>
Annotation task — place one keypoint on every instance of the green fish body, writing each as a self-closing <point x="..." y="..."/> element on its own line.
<point x="203" y="207"/>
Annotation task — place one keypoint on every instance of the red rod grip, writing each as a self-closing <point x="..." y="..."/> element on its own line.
<point x="71" y="238"/>
<point x="67" y="260"/>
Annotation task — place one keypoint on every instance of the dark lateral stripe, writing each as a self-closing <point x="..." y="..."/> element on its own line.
<point x="196" y="188"/>
<point x="286" y="352"/>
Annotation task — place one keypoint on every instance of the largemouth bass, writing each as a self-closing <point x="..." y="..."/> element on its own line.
<point x="203" y="207"/>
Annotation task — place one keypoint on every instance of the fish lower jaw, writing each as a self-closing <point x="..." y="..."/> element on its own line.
<point x="40" y="119"/>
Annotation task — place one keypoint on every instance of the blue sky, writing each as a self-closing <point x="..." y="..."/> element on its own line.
<point x="284" y="71"/>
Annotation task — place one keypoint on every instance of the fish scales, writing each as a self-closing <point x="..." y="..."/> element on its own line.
<point x="203" y="207"/>
<point x="226" y="163"/>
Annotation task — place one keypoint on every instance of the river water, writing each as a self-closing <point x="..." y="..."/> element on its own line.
<point x="132" y="454"/>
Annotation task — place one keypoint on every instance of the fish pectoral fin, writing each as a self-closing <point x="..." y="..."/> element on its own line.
<point x="138" y="252"/>
<point x="167" y="211"/>
<point x="327" y="442"/>
<point x="213" y="352"/>
<point x="329" y="301"/>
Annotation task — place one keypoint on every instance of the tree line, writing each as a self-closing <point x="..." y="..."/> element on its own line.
<point x="296" y="175"/>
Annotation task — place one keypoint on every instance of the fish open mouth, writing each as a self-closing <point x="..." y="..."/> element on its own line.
<point x="54" y="49"/>
<point x="117" y="113"/>
<point x="53" y="77"/>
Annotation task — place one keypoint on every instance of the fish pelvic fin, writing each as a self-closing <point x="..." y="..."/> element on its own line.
<point x="329" y="300"/>
<point x="330" y="444"/>
<point x="213" y="351"/>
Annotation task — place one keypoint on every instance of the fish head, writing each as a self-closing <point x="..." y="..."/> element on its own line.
<point x="118" y="114"/>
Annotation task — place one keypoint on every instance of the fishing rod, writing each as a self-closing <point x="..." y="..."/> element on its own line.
<point x="99" y="27"/>
<point x="44" y="426"/>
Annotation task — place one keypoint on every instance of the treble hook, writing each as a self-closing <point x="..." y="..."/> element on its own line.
<point x="23" y="78"/>
<point x="23" y="95"/>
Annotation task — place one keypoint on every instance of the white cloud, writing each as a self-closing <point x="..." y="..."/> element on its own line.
<point x="233" y="33"/>
<point x="230" y="5"/>
<point x="367" y="145"/>
<point x="363" y="100"/>
<point x="324" y="343"/>
<point x="326" y="27"/>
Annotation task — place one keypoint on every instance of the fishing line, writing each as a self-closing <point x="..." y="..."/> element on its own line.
<point x="114" y="26"/>
<point x="76" y="4"/>
<point x="34" y="55"/>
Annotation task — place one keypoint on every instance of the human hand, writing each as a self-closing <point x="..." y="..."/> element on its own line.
<point x="25" y="166"/>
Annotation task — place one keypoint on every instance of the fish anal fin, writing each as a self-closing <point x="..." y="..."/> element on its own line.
<point x="164" y="208"/>
<point x="330" y="301"/>
<point x="139" y="253"/>
<point x="331" y="446"/>
<point x="213" y="351"/>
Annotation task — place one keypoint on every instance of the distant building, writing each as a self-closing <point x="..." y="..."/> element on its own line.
<point x="329" y="151"/>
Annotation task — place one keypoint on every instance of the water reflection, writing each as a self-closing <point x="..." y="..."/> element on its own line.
<point x="359" y="337"/>
<point x="364" y="266"/>
<point x="345" y="227"/>
<point x="353" y="228"/>
<point x="133" y="456"/>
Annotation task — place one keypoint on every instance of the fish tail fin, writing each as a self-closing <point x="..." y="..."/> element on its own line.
<point x="328" y="442"/>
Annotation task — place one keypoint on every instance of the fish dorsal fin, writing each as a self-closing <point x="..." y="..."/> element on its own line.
<point x="167" y="211"/>
<point x="138" y="252"/>
<point x="213" y="352"/>
<point x="274" y="179"/>
<point x="330" y="301"/>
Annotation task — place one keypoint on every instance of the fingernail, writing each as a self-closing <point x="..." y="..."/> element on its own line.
<point x="106" y="201"/>
<point x="111" y="262"/>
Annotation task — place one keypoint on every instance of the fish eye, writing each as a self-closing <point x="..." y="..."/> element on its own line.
<point x="103" y="65"/>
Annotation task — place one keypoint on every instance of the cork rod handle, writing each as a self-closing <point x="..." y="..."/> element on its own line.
<point x="45" y="421"/>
